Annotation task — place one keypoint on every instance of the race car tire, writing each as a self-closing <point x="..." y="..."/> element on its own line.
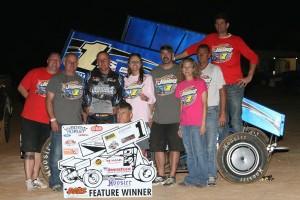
<point x="258" y="133"/>
<point x="5" y="123"/>
<point x="45" y="160"/>
<point x="182" y="167"/>
<point x="242" y="158"/>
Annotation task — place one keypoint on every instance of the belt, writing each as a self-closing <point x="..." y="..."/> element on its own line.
<point x="101" y="115"/>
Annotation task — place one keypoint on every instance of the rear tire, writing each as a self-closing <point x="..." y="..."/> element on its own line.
<point x="258" y="133"/>
<point x="242" y="158"/>
<point x="45" y="159"/>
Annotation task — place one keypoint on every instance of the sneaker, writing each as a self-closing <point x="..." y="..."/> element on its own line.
<point x="184" y="184"/>
<point x="159" y="180"/>
<point x="39" y="184"/>
<point x="170" y="181"/>
<point x="211" y="181"/>
<point x="200" y="186"/>
<point x="57" y="188"/>
<point x="29" y="185"/>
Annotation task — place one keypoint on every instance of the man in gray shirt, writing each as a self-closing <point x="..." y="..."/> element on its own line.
<point x="63" y="103"/>
<point x="166" y="118"/>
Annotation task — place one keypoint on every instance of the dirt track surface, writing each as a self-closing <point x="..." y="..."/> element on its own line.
<point x="284" y="166"/>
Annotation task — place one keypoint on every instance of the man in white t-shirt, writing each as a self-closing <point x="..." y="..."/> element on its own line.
<point x="216" y="111"/>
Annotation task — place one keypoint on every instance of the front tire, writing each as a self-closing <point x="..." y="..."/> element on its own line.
<point x="5" y="123"/>
<point x="242" y="158"/>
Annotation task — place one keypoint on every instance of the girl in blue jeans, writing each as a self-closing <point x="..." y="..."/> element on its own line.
<point x="192" y="92"/>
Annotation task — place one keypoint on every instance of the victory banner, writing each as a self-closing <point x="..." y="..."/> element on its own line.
<point x="103" y="160"/>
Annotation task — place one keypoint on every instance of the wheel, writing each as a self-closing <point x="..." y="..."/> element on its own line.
<point x="5" y="123"/>
<point x="66" y="176"/>
<point x="92" y="178"/>
<point x="242" y="158"/>
<point x="181" y="165"/>
<point x="167" y="164"/>
<point x="144" y="173"/>
<point x="258" y="133"/>
<point x="45" y="160"/>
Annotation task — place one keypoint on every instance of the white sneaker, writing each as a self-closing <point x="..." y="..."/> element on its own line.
<point x="29" y="185"/>
<point x="159" y="180"/>
<point x="170" y="181"/>
<point x="39" y="184"/>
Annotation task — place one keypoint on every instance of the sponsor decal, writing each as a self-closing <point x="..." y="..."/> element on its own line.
<point x="76" y="190"/>
<point x="70" y="142"/>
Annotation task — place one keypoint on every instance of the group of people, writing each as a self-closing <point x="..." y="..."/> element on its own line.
<point x="186" y="106"/>
<point x="225" y="83"/>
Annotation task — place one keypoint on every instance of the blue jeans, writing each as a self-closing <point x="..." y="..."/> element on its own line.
<point x="55" y="156"/>
<point x="211" y="134"/>
<point x="195" y="147"/>
<point x="234" y="100"/>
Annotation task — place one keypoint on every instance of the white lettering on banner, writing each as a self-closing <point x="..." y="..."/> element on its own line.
<point x="124" y="192"/>
<point x="98" y="169"/>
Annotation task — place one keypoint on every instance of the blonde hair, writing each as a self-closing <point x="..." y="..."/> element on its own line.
<point x="196" y="73"/>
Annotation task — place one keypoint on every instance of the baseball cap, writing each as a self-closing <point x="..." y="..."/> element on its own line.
<point x="167" y="47"/>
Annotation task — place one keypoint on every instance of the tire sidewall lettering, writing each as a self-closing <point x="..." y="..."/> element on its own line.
<point x="226" y="146"/>
<point x="45" y="160"/>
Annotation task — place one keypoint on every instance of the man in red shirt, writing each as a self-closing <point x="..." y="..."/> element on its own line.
<point x="226" y="51"/>
<point x="35" y="119"/>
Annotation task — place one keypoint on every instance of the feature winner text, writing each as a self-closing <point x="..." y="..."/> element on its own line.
<point x="120" y="192"/>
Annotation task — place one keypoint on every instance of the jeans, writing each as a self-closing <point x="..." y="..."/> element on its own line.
<point x="234" y="99"/>
<point x="195" y="147"/>
<point x="55" y="156"/>
<point x="211" y="135"/>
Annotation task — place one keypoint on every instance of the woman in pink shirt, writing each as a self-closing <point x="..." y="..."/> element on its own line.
<point x="139" y="92"/>
<point x="192" y="92"/>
